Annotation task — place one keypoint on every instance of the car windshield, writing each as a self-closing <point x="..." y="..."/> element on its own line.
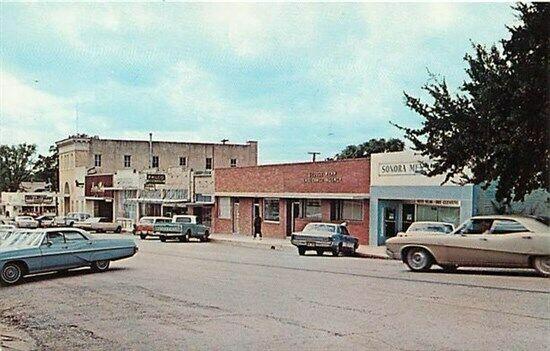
<point x="430" y="227"/>
<point x="318" y="227"/>
<point x="146" y="220"/>
<point x="183" y="220"/>
<point x="23" y="239"/>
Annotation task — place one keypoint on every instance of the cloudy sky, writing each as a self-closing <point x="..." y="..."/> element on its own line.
<point x="295" y="77"/>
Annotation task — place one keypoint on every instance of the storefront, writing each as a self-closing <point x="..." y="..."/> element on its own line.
<point x="27" y="203"/>
<point x="99" y="199"/>
<point x="401" y="194"/>
<point x="288" y="196"/>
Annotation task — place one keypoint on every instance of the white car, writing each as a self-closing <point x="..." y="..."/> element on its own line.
<point x="101" y="225"/>
<point x="428" y="228"/>
<point x="72" y="219"/>
<point x="46" y="220"/>
<point x="26" y="222"/>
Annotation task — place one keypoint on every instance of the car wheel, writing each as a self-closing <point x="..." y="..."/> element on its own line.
<point x="118" y="230"/>
<point x="187" y="236"/>
<point x="162" y="239"/>
<point x="183" y="238"/>
<point x="320" y="252"/>
<point x="301" y="251"/>
<point x="337" y="251"/>
<point x="11" y="273"/>
<point x="418" y="259"/>
<point x="204" y="238"/>
<point x="449" y="267"/>
<point x="100" y="266"/>
<point x="542" y="265"/>
<point x="142" y="236"/>
<point x="352" y="251"/>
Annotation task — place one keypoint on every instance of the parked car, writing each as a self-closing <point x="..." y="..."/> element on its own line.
<point x="483" y="241"/>
<point x="144" y="227"/>
<point x="26" y="222"/>
<point x="72" y="219"/>
<point x="58" y="249"/>
<point x="321" y="237"/>
<point x="427" y="228"/>
<point x="183" y="228"/>
<point x="46" y="220"/>
<point x="102" y="225"/>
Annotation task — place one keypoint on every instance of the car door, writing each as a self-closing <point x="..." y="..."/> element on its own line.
<point x="54" y="250"/>
<point x="509" y="243"/>
<point x="468" y="245"/>
<point x="79" y="248"/>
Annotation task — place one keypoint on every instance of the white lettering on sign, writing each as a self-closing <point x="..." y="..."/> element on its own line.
<point x="407" y="168"/>
<point x="448" y="203"/>
<point x="323" y="177"/>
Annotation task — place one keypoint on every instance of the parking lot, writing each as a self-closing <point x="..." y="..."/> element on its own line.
<point x="216" y="296"/>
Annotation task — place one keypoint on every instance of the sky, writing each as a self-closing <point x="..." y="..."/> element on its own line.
<point x="296" y="77"/>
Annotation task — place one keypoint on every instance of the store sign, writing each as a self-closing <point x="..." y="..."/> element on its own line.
<point x="156" y="178"/>
<point x="323" y="177"/>
<point x="405" y="168"/>
<point x="448" y="203"/>
<point x="38" y="199"/>
<point x="95" y="185"/>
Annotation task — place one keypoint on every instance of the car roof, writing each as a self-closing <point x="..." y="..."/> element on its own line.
<point x="528" y="222"/>
<point x="434" y="222"/>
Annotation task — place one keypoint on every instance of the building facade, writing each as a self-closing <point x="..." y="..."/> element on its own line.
<point x="288" y="196"/>
<point x="27" y="203"/>
<point x="130" y="178"/>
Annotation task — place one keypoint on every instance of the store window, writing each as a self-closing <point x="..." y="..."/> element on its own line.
<point x="127" y="160"/>
<point x="183" y="161"/>
<point x="233" y="162"/>
<point x="313" y="209"/>
<point x="271" y="210"/>
<point x="224" y="208"/>
<point x="352" y="210"/>
<point x="97" y="160"/>
<point x="155" y="162"/>
<point x="438" y="214"/>
<point x="209" y="163"/>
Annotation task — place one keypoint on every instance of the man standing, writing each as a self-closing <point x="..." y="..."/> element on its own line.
<point x="258" y="226"/>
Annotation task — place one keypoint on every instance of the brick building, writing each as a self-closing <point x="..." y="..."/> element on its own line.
<point x="288" y="196"/>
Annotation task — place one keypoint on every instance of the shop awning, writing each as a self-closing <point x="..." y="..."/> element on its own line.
<point x="328" y="196"/>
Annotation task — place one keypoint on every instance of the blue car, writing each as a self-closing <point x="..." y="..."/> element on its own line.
<point x="57" y="249"/>
<point x="321" y="237"/>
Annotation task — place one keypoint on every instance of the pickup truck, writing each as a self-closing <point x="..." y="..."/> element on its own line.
<point x="183" y="228"/>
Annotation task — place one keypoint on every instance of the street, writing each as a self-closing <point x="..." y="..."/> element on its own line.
<point x="212" y="296"/>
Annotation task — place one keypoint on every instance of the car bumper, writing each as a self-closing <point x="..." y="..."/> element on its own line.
<point x="311" y="244"/>
<point x="393" y="255"/>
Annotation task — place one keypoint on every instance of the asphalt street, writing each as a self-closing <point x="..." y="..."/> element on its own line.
<point x="212" y="296"/>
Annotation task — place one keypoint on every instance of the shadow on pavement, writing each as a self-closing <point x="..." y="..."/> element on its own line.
<point x="488" y="272"/>
<point x="60" y="275"/>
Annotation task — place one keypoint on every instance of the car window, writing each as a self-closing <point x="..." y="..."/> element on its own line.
<point x="146" y="221"/>
<point x="505" y="226"/>
<point x="163" y="220"/>
<point x="56" y="238"/>
<point x="476" y="226"/>
<point x="183" y="220"/>
<point x="319" y="227"/>
<point x="71" y="236"/>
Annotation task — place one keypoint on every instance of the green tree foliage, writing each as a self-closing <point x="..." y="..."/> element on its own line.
<point x="46" y="168"/>
<point x="496" y="128"/>
<point x="371" y="147"/>
<point x="16" y="165"/>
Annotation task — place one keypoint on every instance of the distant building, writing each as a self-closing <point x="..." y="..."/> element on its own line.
<point x="27" y="203"/>
<point x="131" y="178"/>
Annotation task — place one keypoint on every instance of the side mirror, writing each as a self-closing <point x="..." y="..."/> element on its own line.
<point x="49" y="243"/>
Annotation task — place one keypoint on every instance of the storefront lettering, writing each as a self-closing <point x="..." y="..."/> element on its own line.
<point x="450" y="203"/>
<point x="411" y="168"/>
<point x="323" y="177"/>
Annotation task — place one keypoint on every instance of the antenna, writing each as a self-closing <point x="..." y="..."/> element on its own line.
<point x="76" y="118"/>
<point x="224" y="141"/>
<point x="314" y="154"/>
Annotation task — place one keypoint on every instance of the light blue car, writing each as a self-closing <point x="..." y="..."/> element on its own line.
<point x="57" y="249"/>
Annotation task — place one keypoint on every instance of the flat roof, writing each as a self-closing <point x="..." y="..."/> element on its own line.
<point x="288" y="164"/>
<point x="248" y="143"/>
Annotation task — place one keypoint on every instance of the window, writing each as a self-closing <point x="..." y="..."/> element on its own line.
<point x="505" y="226"/>
<point x="224" y="207"/>
<point x="74" y="236"/>
<point x="155" y="162"/>
<point x="352" y="210"/>
<point x="97" y="160"/>
<point x="127" y="161"/>
<point x="209" y="163"/>
<point x="313" y="209"/>
<point x="56" y="238"/>
<point x="335" y="210"/>
<point x="475" y="226"/>
<point x="183" y="161"/>
<point x="233" y="162"/>
<point x="271" y="210"/>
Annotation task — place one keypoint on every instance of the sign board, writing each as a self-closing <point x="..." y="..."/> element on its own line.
<point x="323" y="177"/>
<point x="403" y="168"/>
<point x="156" y="178"/>
<point x="38" y="199"/>
<point x="447" y="203"/>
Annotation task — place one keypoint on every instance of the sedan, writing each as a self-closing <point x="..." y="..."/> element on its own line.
<point x="26" y="222"/>
<point x="58" y="249"/>
<point x="321" y="237"/>
<point x="483" y="241"/>
<point x="423" y="228"/>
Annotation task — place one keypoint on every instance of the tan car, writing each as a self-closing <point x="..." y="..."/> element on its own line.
<point x="483" y="241"/>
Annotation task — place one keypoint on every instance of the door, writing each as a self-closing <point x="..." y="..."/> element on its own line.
<point x="390" y="229"/>
<point x="78" y="249"/>
<point x="295" y="214"/>
<point x="469" y="245"/>
<point x="54" y="251"/>
<point x="235" y="218"/>
<point x="408" y="216"/>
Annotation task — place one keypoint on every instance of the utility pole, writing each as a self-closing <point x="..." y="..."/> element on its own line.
<point x="314" y="154"/>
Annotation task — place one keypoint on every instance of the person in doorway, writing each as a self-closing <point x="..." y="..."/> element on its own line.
<point x="257" y="226"/>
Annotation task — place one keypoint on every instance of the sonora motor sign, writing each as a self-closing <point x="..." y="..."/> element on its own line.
<point x="407" y="168"/>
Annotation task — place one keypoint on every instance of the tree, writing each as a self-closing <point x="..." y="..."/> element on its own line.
<point x="15" y="166"/>
<point x="46" y="168"/>
<point x="495" y="129"/>
<point x="370" y="147"/>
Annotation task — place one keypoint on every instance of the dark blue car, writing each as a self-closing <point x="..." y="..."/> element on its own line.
<point x="321" y="237"/>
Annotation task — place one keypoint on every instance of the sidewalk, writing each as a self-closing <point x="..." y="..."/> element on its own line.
<point x="365" y="251"/>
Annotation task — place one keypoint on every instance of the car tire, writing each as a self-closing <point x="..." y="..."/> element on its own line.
<point x="320" y="252"/>
<point x="542" y="265"/>
<point x="182" y="238"/>
<point x="11" y="273"/>
<point x="418" y="259"/>
<point x="143" y="236"/>
<point x="118" y="230"/>
<point x="337" y="251"/>
<point x="449" y="268"/>
<point x="352" y="251"/>
<point x="301" y="251"/>
<point x="100" y="266"/>
<point x="162" y="239"/>
<point x="204" y="238"/>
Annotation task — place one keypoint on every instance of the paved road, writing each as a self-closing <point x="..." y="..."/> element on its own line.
<point x="212" y="296"/>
